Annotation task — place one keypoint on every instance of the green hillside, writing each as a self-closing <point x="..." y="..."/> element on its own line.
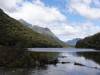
<point x="15" y="34"/>
<point x="90" y="42"/>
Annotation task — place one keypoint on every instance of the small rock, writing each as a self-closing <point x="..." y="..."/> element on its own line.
<point x="78" y="64"/>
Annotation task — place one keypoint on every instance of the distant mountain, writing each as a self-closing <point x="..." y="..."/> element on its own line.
<point x="72" y="42"/>
<point x="90" y="42"/>
<point x="16" y="34"/>
<point x="44" y="31"/>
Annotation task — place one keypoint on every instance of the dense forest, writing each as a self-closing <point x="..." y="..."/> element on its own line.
<point x="13" y="33"/>
<point x="90" y="42"/>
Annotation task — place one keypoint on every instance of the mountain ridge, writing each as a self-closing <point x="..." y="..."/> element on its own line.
<point x="15" y="34"/>
<point x="44" y="31"/>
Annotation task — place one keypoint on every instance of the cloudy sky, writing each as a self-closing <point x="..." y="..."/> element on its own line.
<point x="68" y="19"/>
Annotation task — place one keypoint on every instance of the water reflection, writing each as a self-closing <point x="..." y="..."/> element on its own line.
<point x="95" y="56"/>
<point x="65" y="69"/>
<point x="70" y="63"/>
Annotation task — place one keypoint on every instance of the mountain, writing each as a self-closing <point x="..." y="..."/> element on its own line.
<point x="25" y="23"/>
<point x="48" y="33"/>
<point x="13" y="33"/>
<point x="90" y="42"/>
<point x="73" y="41"/>
<point x="43" y="31"/>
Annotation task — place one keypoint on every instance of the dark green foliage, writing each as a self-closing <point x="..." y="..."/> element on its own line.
<point x="15" y="34"/>
<point x="10" y="56"/>
<point x="20" y="57"/>
<point x="90" y="42"/>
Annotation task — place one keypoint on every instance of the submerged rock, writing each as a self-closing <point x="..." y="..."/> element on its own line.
<point x="79" y="64"/>
<point x="53" y="61"/>
<point x="65" y="62"/>
<point x="62" y="56"/>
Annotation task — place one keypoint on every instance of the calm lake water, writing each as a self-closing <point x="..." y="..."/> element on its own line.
<point x="71" y="62"/>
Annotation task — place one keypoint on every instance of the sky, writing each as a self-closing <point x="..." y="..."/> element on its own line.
<point x="67" y="19"/>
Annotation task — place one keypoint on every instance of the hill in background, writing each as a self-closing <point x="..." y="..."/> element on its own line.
<point x="90" y="42"/>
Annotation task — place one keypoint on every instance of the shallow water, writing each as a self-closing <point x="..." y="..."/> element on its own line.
<point x="62" y="50"/>
<point x="88" y="60"/>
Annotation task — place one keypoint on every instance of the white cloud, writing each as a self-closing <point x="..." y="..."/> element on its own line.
<point x="77" y="31"/>
<point x="83" y="8"/>
<point x="9" y="5"/>
<point x="38" y="14"/>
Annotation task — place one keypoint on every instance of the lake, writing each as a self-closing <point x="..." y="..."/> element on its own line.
<point x="72" y="61"/>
